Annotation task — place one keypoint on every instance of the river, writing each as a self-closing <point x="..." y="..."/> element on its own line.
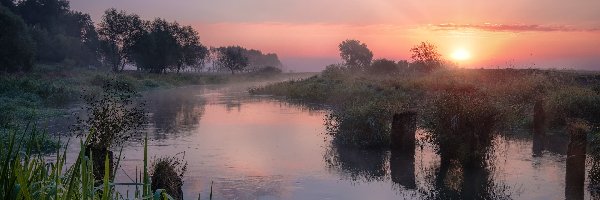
<point x="259" y="147"/>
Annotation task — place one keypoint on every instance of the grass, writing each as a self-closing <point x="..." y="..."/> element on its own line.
<point x="363" y="104"/>
<point x="47" y="90"/>
<point x="27" y="175"/>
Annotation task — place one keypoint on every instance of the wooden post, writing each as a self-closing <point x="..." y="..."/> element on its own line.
<point x="404" y="126"/>
<point x="402" y="169"/>
<point x="539" y="118"/>
<point x="539" y="128"/>
<point x="575" y="176"/>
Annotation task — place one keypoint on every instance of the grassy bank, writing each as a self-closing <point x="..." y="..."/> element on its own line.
<point x="47" y="90"/>
<point x="363" y="103"/>
<point x="27" y="174"/>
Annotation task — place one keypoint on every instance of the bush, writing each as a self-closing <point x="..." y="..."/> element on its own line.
<point x="573" y="102"/>
<point x="113" y="116"/>
<point x="383" y="66"/>
<point x="268" y="70"/>
<point x="167" y="174"/>
<point x="462" y="122"/>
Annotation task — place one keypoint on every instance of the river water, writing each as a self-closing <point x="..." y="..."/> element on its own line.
<point x="258" y="147"/>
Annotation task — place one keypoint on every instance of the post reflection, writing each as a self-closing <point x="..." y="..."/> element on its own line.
<point x="402" y="169"/>
<point x="576" y="154"/>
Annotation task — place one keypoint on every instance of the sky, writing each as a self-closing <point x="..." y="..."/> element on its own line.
<point x="305" y="33"/>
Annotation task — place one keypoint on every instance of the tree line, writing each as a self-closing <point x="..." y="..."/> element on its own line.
<point x="358" y="58"/>
<point x="49" y="32"/>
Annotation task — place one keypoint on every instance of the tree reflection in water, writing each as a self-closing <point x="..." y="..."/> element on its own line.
<point x="174" y="111"/>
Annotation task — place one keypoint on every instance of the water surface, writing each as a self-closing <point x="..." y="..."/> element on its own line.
<point x="258" y="147"/>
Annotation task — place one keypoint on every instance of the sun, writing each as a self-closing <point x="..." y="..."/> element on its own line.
<point x="461" y="54"/>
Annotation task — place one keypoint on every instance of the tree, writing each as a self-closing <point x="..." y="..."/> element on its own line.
<point x="383" y="66"/>
<point x="156" y="49"/>
<point x="60" y="35"/>
<point x="356" y="55"/>
<point x="426" y="57"/>
<point x="257" y="61"/>
<point x="191" y="52"/>
<point x="113" y="116"/>
<point x="231" y="58"/>
<point x="118" y="32"/>
<point x="167" y="46"/>
<point x="16" y="47"/>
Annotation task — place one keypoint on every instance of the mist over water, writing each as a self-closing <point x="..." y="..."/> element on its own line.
<point x="258" y="147"/>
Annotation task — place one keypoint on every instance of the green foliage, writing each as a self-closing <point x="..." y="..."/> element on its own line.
<point x="165" y="46"/>
<point x="118" y="32"/>
<point x="113" y="115"/>
<point x="484" y="100"/>
<point x="154" y="46"/>
<point x="17" y="48"/>
<point x="23" y="96"/>
<point x="365" y="126"/>
<point x="28" y="175"/>
<point x="355" y="54"/>
<point x="167" y="174"/>
<point x="60" y="34"/>
<point x="156" y="49"/>
<point x="463" y="122"/>
<point x="573" y="102"/>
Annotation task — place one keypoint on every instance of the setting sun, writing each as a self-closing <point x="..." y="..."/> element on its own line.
<point x="461" y="54"/>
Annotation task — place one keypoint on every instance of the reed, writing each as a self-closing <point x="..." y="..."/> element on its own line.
<point x="25" y="174"/>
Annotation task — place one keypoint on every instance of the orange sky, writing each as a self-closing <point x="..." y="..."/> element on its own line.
<point x="305" y="33"/>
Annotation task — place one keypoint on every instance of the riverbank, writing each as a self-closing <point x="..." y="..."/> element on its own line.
<point x="363" y="104"/>
<point x="47" y="91"/>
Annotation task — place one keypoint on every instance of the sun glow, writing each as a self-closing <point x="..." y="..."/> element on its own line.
<point x="461" y="54"/>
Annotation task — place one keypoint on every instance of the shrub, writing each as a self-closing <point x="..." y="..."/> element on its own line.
<point x="113" y="116"/>
<point x="573" y="102"/>
<point x="167" y="174"/>
<point x="462" y="122"/>
<point x="383" y="66"/>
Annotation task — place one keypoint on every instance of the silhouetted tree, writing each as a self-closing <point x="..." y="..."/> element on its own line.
<point x="231" y="58"/>
<point x="257" y="61"/>
<point x="60" y="35"/>
<point x="426" y="57"/>
<point x="383" y="66"/>
<point x="191" y="52"/>
<point x="356" y="55"/>
<point x="118" y="32"/>
<point x="156" y="49"/>
<point x="16" y="46"/>
<point x="167" y="46"/>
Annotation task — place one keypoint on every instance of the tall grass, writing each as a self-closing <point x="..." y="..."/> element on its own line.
<point x="362" y="103"/>
<point x="25" y="174"/>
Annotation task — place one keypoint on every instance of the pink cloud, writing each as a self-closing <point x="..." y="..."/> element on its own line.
<point x="513" y="27"/>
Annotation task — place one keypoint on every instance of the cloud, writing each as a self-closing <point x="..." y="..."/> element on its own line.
<point x="512" y="27"/>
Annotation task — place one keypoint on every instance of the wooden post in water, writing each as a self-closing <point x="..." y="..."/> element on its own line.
<point x="404" y="126"/>
<point x="402" y="160"/>
<point x="539" y="118"/>
<point x="575" y="176"/>
<point x="402" y="169"/>
<point x="539" y="128"/>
